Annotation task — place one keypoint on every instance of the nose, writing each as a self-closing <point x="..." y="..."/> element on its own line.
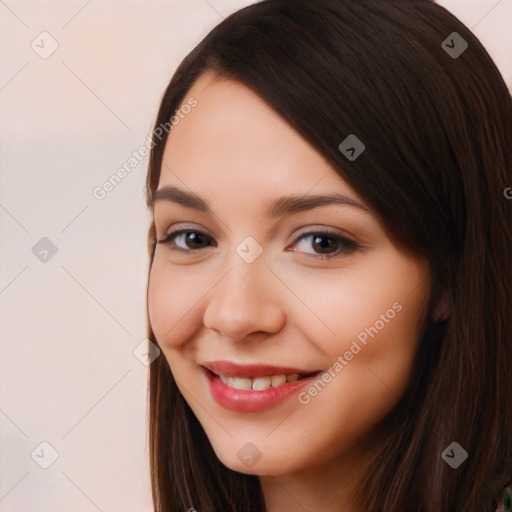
<point x="245" y="301"/>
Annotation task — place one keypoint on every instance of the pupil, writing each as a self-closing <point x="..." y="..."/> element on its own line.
<point x="322" y="245"/>
<point x="194" y="238"/>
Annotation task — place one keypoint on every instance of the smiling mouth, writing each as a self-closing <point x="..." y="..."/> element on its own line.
<point x="262" y="382"/>
<point x="253" y="387"/>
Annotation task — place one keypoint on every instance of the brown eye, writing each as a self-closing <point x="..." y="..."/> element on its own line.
<point x="324" y="243"/>
<point x="328" y="245"/>
<point x="186" y="240"/>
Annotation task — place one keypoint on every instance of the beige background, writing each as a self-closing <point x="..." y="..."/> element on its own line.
<point x="68" y="374"/>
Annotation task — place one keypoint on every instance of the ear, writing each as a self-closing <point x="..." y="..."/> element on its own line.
<point x="441" y="309"/>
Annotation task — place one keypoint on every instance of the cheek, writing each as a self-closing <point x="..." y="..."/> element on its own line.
<point x="172" y="296"/>
<point x="385" y="296"/>
<point x="374" y="313"/>
<point x="377" y="326"/>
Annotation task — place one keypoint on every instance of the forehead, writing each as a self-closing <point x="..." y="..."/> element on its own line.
<point x="232" y="140"/>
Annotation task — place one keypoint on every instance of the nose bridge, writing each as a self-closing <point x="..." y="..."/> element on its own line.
<point x="248" y="271"/>
<point x="243" y="300"/>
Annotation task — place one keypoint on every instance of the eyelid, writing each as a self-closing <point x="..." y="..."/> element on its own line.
<point x="182" y="228"/>
<point x="178" y="231"/>
<point x="322" y="230"/>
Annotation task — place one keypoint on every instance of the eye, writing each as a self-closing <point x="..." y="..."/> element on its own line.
<point x="325" y="245"/>
<point x="186" y="240"/>
<point x="328" y="245"/>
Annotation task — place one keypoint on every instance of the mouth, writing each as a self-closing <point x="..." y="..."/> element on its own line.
<point x="253" y="388"/>
<point x="259" y="383"/>
<point x="256" y="377"/>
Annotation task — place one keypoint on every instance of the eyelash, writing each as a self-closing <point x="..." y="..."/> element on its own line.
<point x="350" y="245"/>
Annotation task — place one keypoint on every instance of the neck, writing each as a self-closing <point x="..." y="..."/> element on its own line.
<point x="329" y="487"/>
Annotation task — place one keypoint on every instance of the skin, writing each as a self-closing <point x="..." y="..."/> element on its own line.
<point x="288" y="307"/>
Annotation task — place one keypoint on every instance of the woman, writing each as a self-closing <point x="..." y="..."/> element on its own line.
<point x="330" y="282"/>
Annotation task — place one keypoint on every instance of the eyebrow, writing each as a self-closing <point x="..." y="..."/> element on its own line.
<point x="279" y="208"/>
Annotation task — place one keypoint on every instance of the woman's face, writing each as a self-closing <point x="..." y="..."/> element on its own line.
<point x="249" y="283"/>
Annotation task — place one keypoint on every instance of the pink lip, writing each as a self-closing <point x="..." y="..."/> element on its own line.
<point x="252" y="401"/>
<point x="252" y="370"/>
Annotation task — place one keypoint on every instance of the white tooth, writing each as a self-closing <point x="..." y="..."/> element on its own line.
<point x="277" y="380"/>
<point x="258" y="383"/>
<point x="261" y="383"/>
<point x="241" y="383"/>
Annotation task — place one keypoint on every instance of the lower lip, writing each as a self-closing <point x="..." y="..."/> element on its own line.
<point x="252" y="401"/>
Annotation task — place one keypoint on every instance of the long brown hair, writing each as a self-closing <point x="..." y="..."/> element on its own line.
<point x="437" y="127"/>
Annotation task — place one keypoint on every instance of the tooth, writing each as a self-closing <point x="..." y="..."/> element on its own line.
<point x="241" y="383"/>
<point x="277" y="380"/>
<point x="257" y="383"/>
<point x="261" y="383"/>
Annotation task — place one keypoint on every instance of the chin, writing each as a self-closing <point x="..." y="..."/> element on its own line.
<point x="251" y="461"/>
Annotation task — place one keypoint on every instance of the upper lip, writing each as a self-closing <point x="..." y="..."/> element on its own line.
<point x="252" y="370"/>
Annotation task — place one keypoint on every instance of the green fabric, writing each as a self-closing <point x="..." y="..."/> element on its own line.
<point x="505" y="500"/>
